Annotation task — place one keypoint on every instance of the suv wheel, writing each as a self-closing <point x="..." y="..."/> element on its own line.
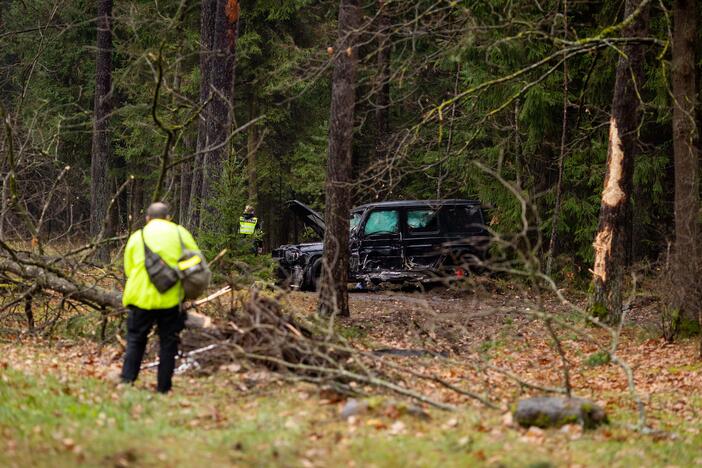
<point x="312" y="276"/>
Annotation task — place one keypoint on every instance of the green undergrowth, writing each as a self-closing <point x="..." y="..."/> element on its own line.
<point x="50" y="421"/>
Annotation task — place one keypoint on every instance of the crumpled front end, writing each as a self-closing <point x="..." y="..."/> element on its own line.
<point x="295" y="262"/>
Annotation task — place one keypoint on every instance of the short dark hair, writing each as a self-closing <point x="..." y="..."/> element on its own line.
<point x="158" y="210"/>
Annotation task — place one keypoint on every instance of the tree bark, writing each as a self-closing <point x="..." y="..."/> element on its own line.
<point x="252" y="143"/>
<point x="333" y="294"/>
<point x="45" y="279"/>
<point x="382" y="109"/>
<point x="221" y="107"/>
<point x="186" y="172"/>
<point x="686" y="262"/>
<point x="551" y="252"/>
<point x="207" y="21"/>
<point x="610" y="241"/>
<point x="100" y="157"/>
<point x="29" y="312"/>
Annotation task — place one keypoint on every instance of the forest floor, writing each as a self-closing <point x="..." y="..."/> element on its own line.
<point x="59" y="405"/>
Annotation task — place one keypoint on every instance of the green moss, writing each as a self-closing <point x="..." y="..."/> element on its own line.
<point x="599" y="358"/>
<point x="598" y="310"/>
<point x="686" y="368"/>
<point x="542" y="421"/>
<point x="351" y="332"/>
<point x="568" y="419"/>
<point x="687" y="327"/>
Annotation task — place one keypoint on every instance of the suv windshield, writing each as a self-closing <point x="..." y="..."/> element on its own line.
<point x="355" y="219"/>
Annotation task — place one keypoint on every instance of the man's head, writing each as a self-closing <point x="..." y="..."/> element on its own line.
<point x="249" y="209"/>
<point x="158" y="210"/>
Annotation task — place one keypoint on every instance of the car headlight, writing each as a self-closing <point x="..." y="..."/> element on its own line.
<point x="292" y="256"/>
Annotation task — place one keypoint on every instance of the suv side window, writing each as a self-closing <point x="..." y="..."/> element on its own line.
<point x="462" y="218"/>
<point x="421" y="221"/>
<point x="387" y="221"/>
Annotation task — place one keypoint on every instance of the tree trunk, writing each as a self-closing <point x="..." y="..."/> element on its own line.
<point x="29" y="312"/>
<point x="136" y="209"/>
<point x="4" y="203"/>
<point x="564" y="131"/>
<point x="221" y="107"/>
<point x="610" y="248"/>
<point x="252" y="147"/>
<point x="186" y="173"/>
<point x="100" y="157"/>
<point x="333" y="294"/>
<point x="207" y="21"/>
<point x="686" y="262"/>
<point x="382" y="109"/>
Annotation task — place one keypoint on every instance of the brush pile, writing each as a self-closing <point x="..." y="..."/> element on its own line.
<point x="257" y="330"/>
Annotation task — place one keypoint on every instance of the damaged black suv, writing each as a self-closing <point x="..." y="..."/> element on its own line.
<point x="394" y="241"/>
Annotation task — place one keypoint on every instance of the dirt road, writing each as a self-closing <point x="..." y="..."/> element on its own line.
<point x="439" y="320"/>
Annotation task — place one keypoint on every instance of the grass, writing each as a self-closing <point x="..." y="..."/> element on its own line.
<point x="47" y="420"/>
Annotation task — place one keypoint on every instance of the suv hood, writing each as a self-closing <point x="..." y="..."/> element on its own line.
<point x="308" y="216"/>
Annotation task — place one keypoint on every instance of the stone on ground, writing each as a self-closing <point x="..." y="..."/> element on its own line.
<point x="545" y="412"/>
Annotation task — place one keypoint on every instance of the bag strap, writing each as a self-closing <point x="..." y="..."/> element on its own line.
<point x="143" y="241"/>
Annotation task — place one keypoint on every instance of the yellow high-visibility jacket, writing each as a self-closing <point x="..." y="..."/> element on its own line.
<point x="162" y="237"/>
<point x="247" y="226"/>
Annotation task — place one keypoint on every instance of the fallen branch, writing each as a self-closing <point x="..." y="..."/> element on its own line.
<point x="91" y="295"/>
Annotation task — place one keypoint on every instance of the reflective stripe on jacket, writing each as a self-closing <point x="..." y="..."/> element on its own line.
<point x="247" y="226"/>
<point x="162" y="237"/>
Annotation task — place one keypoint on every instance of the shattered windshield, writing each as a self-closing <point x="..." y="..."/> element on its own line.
<point x="355" y="219"/>
<point x="383" y="221"/>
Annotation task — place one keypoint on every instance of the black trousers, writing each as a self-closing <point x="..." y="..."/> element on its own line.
<point x="170" y="323"/>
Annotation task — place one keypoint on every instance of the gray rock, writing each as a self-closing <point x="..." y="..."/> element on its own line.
<point x="418" y="412"/>
<point x="547" y="412"/>
<point x="353" y="407"/>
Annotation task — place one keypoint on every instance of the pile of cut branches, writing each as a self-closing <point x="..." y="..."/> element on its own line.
<point x="257" y="331"/>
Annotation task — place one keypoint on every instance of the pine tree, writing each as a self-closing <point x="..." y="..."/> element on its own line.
<point x="686" y="156"/>
<point x="333" y="294"/>
<point x="610" y="246"/>
<point x="101" y="152"/>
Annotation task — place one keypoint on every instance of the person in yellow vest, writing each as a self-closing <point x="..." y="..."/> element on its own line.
<point x="147" y="306"/>
<point x="249" y="226"/>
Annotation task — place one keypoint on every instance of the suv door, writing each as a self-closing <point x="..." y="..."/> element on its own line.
<point x="423" y="238"/>
<point x="380" y="241"/>
<point x="464" y="228"/>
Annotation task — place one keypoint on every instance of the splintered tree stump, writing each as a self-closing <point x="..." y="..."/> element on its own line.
<point x="546" y="412"/>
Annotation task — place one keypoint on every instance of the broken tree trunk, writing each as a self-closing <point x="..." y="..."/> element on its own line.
<point x="610" y="248"/>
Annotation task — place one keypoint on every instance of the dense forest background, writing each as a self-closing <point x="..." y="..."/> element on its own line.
<point x="574" y="123"/>
<point x="523" y="87"/>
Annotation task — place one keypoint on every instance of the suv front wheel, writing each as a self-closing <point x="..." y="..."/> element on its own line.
<point x="312" y="276"/>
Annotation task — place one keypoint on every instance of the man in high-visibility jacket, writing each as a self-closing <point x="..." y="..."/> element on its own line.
<point x="147" y="306"/>
<point x="250" y="227"/>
